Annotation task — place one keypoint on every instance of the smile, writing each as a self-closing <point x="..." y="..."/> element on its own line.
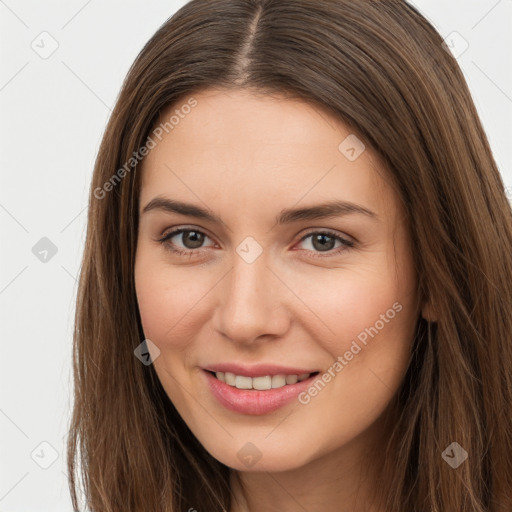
<point x="256" y="395"/>
<point x="262" y="383"/>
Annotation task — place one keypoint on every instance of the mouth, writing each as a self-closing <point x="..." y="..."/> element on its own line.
<point x="258" y="395"/>
<point x="260" y="383"/>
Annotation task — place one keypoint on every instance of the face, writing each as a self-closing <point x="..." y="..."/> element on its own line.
<point x="244" y="282"/>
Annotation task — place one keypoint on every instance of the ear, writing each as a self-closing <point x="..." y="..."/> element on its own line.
<point x="428" y="312"/>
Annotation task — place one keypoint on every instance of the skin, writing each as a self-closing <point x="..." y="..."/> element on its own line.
<point x="246" y="157"/>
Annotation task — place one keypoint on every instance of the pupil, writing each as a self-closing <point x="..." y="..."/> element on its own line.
<point x="323" y="247"/>
<point x="198" y="239"/>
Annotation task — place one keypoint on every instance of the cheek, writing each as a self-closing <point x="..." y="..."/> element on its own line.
<point x="171" y="302"/>
<point x="346" y="307"/>
<point x="373" y="321"/>
<point x="377" y="303"/>
<point x="370" y="316"/>
<point x="373" y="314"/>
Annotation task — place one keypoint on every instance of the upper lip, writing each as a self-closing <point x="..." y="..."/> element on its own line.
<point x="257" y="370"/>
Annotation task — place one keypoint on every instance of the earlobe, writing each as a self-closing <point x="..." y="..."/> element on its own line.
<point x="428" y="312"/>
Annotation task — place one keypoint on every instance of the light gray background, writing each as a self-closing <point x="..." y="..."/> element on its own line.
<point x="52" y="115"/>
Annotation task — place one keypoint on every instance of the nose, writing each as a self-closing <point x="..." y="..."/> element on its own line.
<point x="251" y="303"/>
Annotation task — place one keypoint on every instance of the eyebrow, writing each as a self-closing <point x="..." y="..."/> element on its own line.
<point x="335" y="208"/>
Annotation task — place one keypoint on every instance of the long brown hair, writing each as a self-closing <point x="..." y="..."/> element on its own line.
<point x="381" y="68"/>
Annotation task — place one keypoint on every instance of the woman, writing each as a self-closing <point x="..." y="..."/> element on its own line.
<point x="296" y="291"/>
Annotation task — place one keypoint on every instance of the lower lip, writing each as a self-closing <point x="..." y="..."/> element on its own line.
<point x="252" y="401"/>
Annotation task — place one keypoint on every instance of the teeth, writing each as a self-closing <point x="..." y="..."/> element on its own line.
<point x="291" y="379"/>
<point x="259" y="383"/>
<point x="262" y="383"/>
<point x="243" y="382"/>
<point x="278" y="381"/>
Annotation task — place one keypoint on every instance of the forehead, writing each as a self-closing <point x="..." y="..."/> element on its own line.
<point x="256" y="151"/>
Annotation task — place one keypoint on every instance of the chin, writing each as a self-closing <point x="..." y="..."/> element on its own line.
<point x="260" y="456"/>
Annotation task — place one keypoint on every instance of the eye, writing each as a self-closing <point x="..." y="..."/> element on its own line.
<point x="324" y="241"/>
<point x="192" y="239"/>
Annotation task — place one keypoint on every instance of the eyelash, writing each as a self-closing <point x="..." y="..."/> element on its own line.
<point x="346" y="244"/>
